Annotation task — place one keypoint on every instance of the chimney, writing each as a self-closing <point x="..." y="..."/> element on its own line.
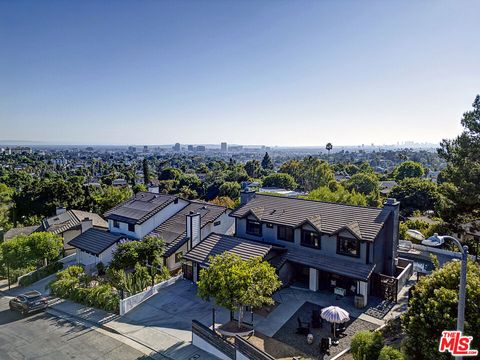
<point x="86" y="224"/>
<point x="246" y="195"/>
<point x="60" y="210"/>
<point x="194" y="230"/>
<point x="392" y="227"/>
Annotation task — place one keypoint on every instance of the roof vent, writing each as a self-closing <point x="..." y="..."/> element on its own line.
<point x="204" y="207"/>
<point x="191" y="212"/>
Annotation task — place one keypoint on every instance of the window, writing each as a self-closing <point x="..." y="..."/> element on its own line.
<point x="285" y="233"/>
<point x="349" y="247"/>
<point x="116" y="224"/>
<point x="131" y="227"/>
<point x="311" y="239"/>
<point x="270" y="225"/>
<point x="178" y="256"/>
<point x="216" y="223"/>
<point x="254" y="227"/>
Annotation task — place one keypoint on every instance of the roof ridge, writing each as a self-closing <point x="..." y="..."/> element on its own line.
<point x="315" y="201"/>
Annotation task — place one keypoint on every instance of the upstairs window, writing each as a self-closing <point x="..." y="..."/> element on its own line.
<point x="285" y="233"/>
<point x="116" y="224"/>
<point x="216" y="223"/>
<point x="131" y="227"/>
<point x="348" y="247"/>
<point x="311" y="239"/>
<point x="254" y="227"/>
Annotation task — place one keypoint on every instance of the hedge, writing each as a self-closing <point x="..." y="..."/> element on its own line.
<point x="67" y="285"/>
<point x="40" y="273"/>
<point x="366" y="345"/>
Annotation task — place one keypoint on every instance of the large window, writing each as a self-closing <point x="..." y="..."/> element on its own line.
<point x="254" y="227"/>
<point x="116" y="224"/>
<point x="131" y="227"/>
<point x="311" y="239"/>
<point x="349" y="247"/>
<point x="285" y="233"/>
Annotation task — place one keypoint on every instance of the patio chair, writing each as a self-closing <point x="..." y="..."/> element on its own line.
<point x="303" y="327"/>
<point x="317" y="321"/>
<point x="340" y="331"/>
<point x="325" y="346"/>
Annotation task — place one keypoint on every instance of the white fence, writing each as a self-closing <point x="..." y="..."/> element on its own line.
<point x="131" y="302"/>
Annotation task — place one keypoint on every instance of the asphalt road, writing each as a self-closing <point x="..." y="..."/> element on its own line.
<point x="43" y="336"/>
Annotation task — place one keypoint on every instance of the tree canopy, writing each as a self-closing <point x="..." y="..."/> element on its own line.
<point x="416" y="194"/>
<point x="280" y="180"/>
<point x="337" y="194"/>
<point x="235" y="283"/>
<point x="462" y="155"/>
<point x="408" y="169"/>
<point x="433" y="308"/>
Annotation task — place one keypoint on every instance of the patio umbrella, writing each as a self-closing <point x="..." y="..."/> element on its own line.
<point x="335" y="315"/>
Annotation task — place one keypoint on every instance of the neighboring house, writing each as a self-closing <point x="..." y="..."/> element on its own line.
<point x="314" y="244"/>
<point x="119" y="182"/>
<point x="65" y="223"/>
<point x="159" y="215"/>
<point x="213" y="218"/>
<point x="68" y="224"/>
<point x="386" y="186"/>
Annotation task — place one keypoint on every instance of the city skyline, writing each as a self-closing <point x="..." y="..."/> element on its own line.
<point x="285" y="73"/>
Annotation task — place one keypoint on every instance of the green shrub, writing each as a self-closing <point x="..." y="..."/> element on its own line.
<point x="41" y="273"/>
<point x="163" y="275"/>
<point x="390" y="353"/>
<point x="366" y="345"/>
<point x="73" y="271"/>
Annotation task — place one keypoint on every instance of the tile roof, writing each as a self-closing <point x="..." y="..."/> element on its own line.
<point x="27" y="230"/>
<point x="172" y="231"/>
<point x="334" y="265"/>
<point x="58" y="224"/>
<point x="216" y="244"/>
<point x="141" y="207"/>
<point x="95" y="241"/>
<point x="365" y="222"/>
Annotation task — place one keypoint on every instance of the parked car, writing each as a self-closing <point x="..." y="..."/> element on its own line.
<point x="28" y="302"/>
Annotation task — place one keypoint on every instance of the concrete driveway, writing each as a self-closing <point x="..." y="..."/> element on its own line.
<point x="165" y="320"/>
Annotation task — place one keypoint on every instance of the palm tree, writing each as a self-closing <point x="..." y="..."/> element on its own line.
<point x="329" y="147"/>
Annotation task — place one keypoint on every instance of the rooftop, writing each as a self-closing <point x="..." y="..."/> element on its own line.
<point x="216" y="244"/>
<point x="141" y="207"/>
<point x="95" y="241"/>
<point x="172" y="231"/>
<point x="69" y="219"/>
<point x="364" y="222"/>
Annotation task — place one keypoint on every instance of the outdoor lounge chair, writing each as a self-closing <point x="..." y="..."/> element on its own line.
<point x="303" y="327"/>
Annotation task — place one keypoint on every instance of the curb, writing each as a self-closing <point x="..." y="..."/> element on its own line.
<point x="62" y="314"/>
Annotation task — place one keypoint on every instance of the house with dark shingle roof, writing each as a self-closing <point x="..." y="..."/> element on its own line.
<point x="213" y="218"/>
<point x="313" y="244"/>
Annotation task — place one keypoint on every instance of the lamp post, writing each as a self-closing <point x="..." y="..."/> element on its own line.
<point x="463" y="282"/>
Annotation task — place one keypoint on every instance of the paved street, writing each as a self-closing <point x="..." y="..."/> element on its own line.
<point x="43" y="336"/>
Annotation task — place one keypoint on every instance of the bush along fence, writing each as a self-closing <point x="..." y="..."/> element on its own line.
<point x="133" y="301"/>
<point x="209" y="341"/>
<point x="39" y="274"/>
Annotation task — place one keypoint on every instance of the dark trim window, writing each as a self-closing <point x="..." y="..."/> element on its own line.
<point x="348" y="247"/>
<point x="285" y="233"/>
<point x="116" y="224"/>
<point x="269" y="225"/>
<point x="254" y="227"/>
<point x="311" y="239"/>
<point x="216" y="223"/>
<point x="131" y="227"/>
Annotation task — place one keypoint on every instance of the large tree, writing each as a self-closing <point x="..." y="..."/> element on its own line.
<point x="364" y="183"/>
<point x="433" y="308"/>
<point x="280" y="180"/>
<point x="416" y="194"/>
<point x="315" y="173"/>
<point x="408" y="169"/>
<point x="267" y="163"/>
<point x="235" y="283"/>
<point x="463" y="166"/>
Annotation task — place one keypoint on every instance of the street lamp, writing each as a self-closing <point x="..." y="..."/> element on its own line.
<point x="463" y="281"/>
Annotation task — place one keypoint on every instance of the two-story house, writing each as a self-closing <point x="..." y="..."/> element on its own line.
<point x="153" y="214"/>
<point x="313" y="244"/>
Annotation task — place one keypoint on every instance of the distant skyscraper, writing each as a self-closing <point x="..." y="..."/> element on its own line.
<point x="145" y="149"/>
<point x="176" y="147"/>
<point x="201" y="148"/>
<point x="190" y="147"/>
<point x="223" y="147"/>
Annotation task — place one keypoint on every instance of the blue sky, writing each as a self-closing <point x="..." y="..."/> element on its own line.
<point x="252" y="72"/>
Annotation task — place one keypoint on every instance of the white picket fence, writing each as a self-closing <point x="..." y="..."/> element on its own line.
<point x="131" y="302"/>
